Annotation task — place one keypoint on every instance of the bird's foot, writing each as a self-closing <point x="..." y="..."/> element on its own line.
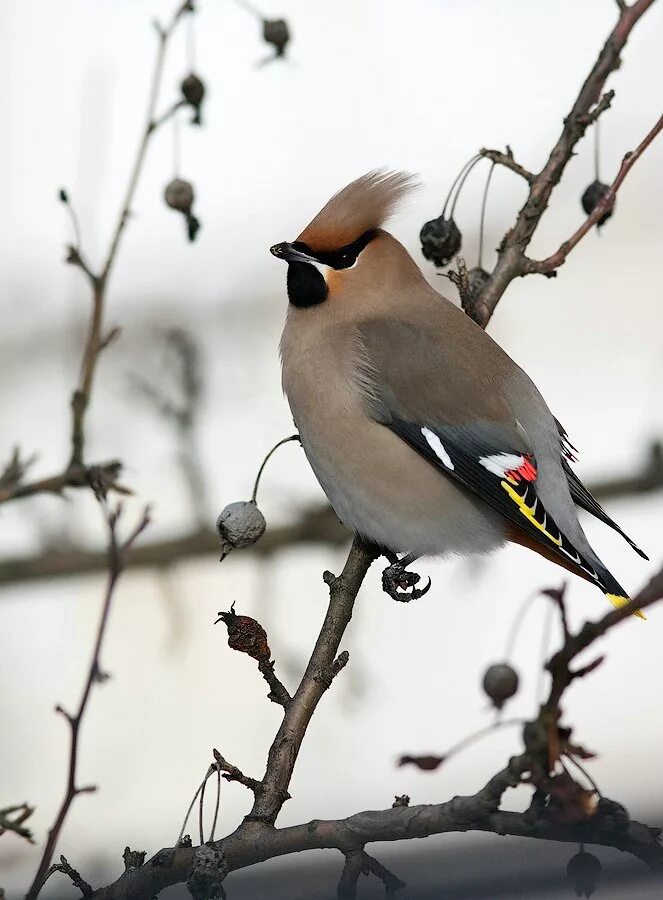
<point x="399" y="583"/>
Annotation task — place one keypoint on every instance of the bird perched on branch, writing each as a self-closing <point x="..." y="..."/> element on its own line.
<point x="425" y="435"/>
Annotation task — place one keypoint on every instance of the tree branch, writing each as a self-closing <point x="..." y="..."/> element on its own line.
<point x="605" y="204"/>
<point x="315" y="681"/>
<point x="115" y="561"/>
<point x="318" y="525"/>
<point x="512" y="261"/>
<point x="507" y="160"/>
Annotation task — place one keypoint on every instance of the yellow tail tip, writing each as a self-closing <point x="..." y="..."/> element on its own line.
<point x="619" y="601"/>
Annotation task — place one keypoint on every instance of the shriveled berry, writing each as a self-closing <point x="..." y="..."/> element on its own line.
<point x="276" y="33"/>
<point x="584" y="872"/>
<point x="500" y="683"/>
<point x="179" y="195"/>
<point x="594" y="193"/>
<point x="240" y="525"/>
<point x="440" y="240"/>
<point x="193" y="91"/>
<point x="246" y="635"/>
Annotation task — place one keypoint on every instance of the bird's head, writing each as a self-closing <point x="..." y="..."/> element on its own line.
<point x="335" y="241"/>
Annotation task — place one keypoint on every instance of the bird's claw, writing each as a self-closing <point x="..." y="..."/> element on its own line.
<point x="399" y="583"/>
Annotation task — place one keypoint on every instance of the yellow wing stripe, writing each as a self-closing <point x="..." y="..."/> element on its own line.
<point x="528" y="512"/>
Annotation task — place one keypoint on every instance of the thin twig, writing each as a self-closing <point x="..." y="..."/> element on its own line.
<point x="605" y="204"/>
<point x="512" y="262"/>
<point x="507" y="160"/>
<point x="117" y="551"/>
<point x="81" y="396"/>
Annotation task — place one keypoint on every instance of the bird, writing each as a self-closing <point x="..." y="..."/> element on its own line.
<point x="426" y="437"/>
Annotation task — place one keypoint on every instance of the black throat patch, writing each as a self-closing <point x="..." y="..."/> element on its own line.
<point x="306" y="286"/>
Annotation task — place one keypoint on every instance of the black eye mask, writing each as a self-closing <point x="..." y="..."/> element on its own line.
<point x="342" y="258"/>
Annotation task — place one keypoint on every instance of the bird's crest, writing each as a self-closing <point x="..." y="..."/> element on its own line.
<point x="363" y="205"/>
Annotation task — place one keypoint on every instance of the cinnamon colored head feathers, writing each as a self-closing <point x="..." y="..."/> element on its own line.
<point x="364" y="205"/>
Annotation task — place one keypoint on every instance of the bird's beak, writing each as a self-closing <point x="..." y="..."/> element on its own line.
<point x="289" y="254"/>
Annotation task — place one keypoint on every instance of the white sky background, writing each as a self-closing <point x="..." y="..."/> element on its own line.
<point x="416" y="86"/>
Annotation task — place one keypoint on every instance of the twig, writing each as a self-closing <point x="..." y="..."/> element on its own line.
<point x="116" y="556"/>
<point x="12" y="819"/>
<point x="559" y="665"/>
<point x="76" y="877"/>
<point x="548" y="265"/>
<point x="285" y="747"/>
<point x="512" y="261"/>
<point x="278" y="693"/>
<point x="507" y="160"/>
<point x="76" y="475"/>
<point x="81" y="396"/>
<point x="232" y="773"/>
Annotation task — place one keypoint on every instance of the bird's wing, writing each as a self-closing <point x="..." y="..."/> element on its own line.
<point x="458" y="421"/>
<point x="583" y="498"/>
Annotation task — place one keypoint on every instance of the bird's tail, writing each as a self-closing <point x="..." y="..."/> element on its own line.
<point x="614" y="591"/>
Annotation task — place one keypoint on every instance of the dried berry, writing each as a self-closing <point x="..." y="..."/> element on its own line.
<point x="500" y="682"/>
<point x="595" y="192"/>
<point x="208" y="873"/>
<point x="240" y="525"/>
<point x="193" y="91"/>
<point x="179" y="195"/>
<point x="584" y="872"/>
<point x="276" y="33"/>
<point x="440" y="240"/>
<point x="245" y="635"/>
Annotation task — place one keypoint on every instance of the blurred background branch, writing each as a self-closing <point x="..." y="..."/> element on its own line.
<point x="317" y="525"/>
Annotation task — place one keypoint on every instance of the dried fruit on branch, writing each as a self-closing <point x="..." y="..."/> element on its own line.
<point x="246" y="635"/>
<point x="584" y="872"/>
<point x="276" y="33"/>
<point x="240" y="525"/>
<point x="193" y="91"/>
<point x="500" y="683"/>
<point x="440" y="240"/>
<point x="179" y="195"/>
<point x="590" y="200"/>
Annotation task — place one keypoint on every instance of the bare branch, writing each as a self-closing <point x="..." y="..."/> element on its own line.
<point x="76" y="878"/>
<point x="605" y="204"/>
<point x="94" y="341"/>
<point x="12" y="819"/>
<point x="285" y="747"/>
<point x="507" y="160"/>
<point x="76" y="475"/>
<point x="512" y="262"/>
<point x="116" y="551"/>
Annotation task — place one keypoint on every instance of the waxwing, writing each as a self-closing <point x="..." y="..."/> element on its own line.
<point x="425" y="435"/>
